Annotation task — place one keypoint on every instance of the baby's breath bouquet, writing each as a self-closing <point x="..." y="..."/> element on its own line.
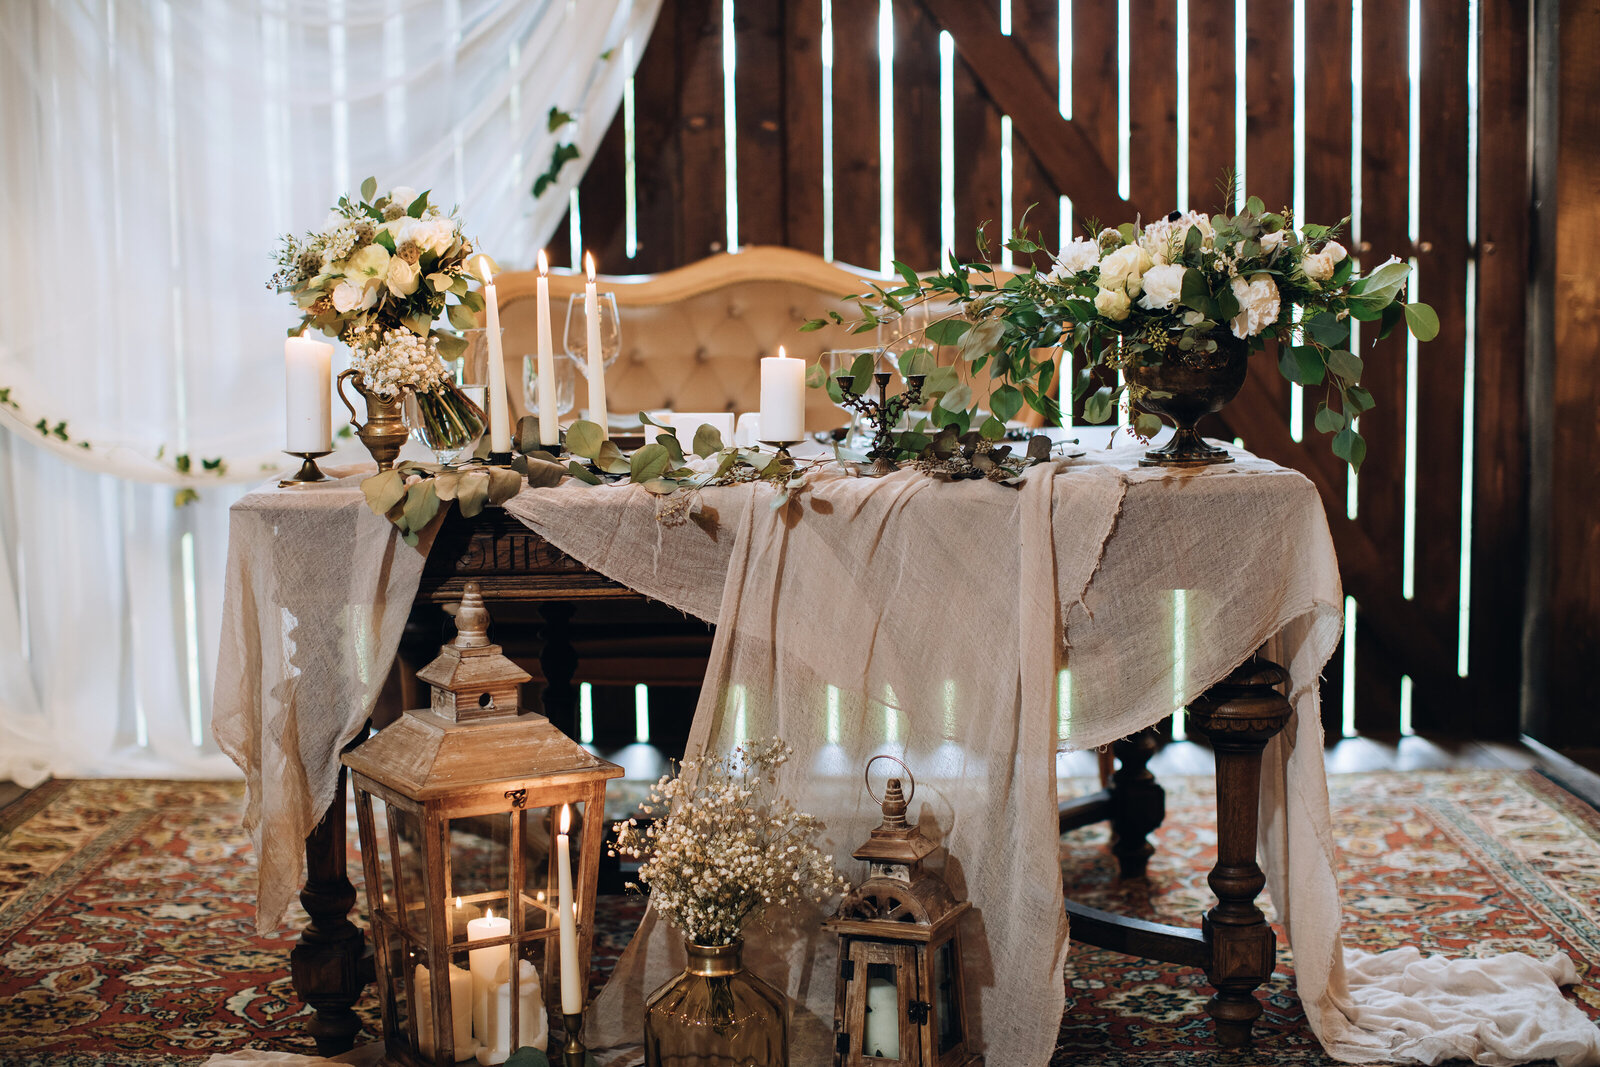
<point x="726" y="848"/>
<point x="378" y="275"/>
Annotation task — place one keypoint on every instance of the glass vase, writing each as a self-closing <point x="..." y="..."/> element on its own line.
<point x="716" y="1014"/>
<point x="446" y="420"/>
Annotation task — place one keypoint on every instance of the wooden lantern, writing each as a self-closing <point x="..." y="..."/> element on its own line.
<point x="460" y="807"/>
<point x="900" y="996"/>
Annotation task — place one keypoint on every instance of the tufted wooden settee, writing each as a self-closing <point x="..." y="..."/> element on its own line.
<point x="692" y="338"/>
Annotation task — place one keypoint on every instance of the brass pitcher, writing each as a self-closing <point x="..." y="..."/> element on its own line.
<point x="385" y="429"/>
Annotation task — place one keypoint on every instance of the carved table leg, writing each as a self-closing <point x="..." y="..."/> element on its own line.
<point x="558" y="660"/>
<point x="332" y="963"/>
<point x="1137" y="802"/>
<point x="1239" y="716"/>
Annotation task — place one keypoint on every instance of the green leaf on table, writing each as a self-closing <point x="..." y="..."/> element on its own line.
<point x="1346" y="365"/>
<point x="707" y="440"/>
<point x="948" y="331"/>
<point x="504" y="483"/>
<point x="383" y="491"/>
<point x="584" y="438"/>
<point x="582" y="473"/>
<point x="472" y="493"/>
<point x="646" y="420"/>
<point x="649" y="462"/>
<point x="1329" y="420"/>
<point x="1145" y="424"/>
<point x="422" y="504"/>
<point x="1005" y="402"/>
<point x="543" y="473"/>
<point x="992" y="429"/>
<point x="369" y="189"/>
<point x="957" y="398"/>
<point x="1039" y="448"/>
<point x="1350" y="447"/>
<point x="1422" y="321"/>
<point x="914" y="361"/>
<point x="1302" y="364"/>
<point x="669" y="441"/>
<point x="461" y="317"/>
<point x="611" y="460"/>
<point x="445" y="484"/>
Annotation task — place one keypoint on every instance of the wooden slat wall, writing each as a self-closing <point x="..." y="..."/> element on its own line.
<point x="779" y="147"/>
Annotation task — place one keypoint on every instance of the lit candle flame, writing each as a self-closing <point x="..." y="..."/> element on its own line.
<point x="458" y="902"/>
<point x="781" y="353"/>
<point x="544" y="262"/>
<point x="488" y="913"/>
<point x="588" y="264"/>
<point x="566" y="817"/>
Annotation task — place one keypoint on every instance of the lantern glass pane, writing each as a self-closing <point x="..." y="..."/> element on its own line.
<point x="380" y="845"/>
<point x="538" y="872"/>
<point x="392" y="958"/>
<point x="946" y="998"/>
<point x="882" y="1038"/>
<point x="410" y="869"/>
<point x="524" y="989"/>
<point x="457" y="1009"/>
<point x="480" y="876"/>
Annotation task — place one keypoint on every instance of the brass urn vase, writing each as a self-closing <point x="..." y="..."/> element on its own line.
<point x="1184" y="387"/>
<point x="716" y="1014"/>
<point x="385" y="430"/>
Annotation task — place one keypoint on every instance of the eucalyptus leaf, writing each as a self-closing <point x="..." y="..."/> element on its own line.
<point x="544" y="473"/>
<point x="948" y="331"/>
<point x="369" y="189"/>
<point x="1422" y="321"/>
<point x="1327" y="329"/>
<point x="940" y="380"/>
<point x="707" y="440"/>
<point x="383" y="491"/>
<point x="1100" y="405"/>
<point x="1146" y="424"/>
<point x="1346" y="365"/>
<point x="1005" y="402"/>
<point x="421" y="505"/>
<point x="992" y="429"/>
<point x="419" y="205"/>
<point x="504" y="484"/>
<point x="669" y="441"/>
<point x="1329" y="420"/>
<point x="472" y="494"/>
<point x="1350" y="447"/>
<point x="611" y="460"/>
<point x="461" y="317"/>
<point x="957" y="399"/>
<point x="981" y="339"/>
<point x="1038" y="448"/>
<point x="582" y="473"/>
<point x="445" y="484"/>
<point x="584" y="438"/>
<point x="914" y="361"/>
<point x="861" y="372"/>
<point x="1302" y="364"/>
<point x="649" y="462"/>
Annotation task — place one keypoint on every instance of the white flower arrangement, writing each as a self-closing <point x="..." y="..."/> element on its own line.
<point x="378" y="275"/>
<point x="726" y="850"/>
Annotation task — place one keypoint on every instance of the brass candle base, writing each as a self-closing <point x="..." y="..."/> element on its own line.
<point x="309" y="473"/>
<point x="782" y="447"/>
<point x="573" y="1052"/>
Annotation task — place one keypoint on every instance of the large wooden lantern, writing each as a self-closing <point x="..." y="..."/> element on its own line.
<point x="900" y="998"/>
<point x="481" y="830"/>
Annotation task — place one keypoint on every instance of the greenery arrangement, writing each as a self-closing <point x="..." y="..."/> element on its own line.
<point x="378" y="275"/>
<point x="1141" y="294"/>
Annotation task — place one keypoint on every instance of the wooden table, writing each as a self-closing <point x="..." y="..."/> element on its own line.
<point x="516" y="568"/>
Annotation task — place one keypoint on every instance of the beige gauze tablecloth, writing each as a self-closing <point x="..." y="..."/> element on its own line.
<point x="969" y="628"/>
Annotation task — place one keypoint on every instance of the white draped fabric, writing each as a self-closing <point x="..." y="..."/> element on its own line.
<point x="153" y="152"/>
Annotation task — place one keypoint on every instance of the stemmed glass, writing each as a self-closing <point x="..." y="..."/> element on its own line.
<point x="576" y="337"/>
<point x="566" y="384"/>
<point x="450" y="418"/>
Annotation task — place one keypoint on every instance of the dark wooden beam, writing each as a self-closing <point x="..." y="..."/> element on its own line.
<point x="1013" y="82"/>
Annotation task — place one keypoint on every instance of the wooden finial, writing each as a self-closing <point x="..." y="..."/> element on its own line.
<point x="894" y="806"/>
<point x="472" y="619"/>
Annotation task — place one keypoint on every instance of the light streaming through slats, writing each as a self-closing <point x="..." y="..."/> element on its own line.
<point x="1406" y="729"/>
<point x="1408" y="548"/>
<point x="1347" y="721"/>
<point x="1469" y="370"/>
<point x="1297" y="393"/>
<point x="825" y="46"/>
<point x="1180" y="662"/>
<point x="1064" y="703"/>
<point x="947" y="146"/>
<point x="191" y="642"/>
<point x="630" y="167"/>
<point x="833" y="730"/>
<point x="885" y="136"/>
<point x="1239" y="127"/>
<point x="1124" y="98"/>
<point x="730" y="126"/>
<point x="586" y="713"/>
<point x="641" y="714"/>
<point x="574" y="228"/>
<point x="1007" y="208"/>
<point x="1182" y="199"/>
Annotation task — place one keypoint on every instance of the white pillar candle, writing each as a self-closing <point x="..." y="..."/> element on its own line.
<point x="783" y="398"/>
<point x="549" y="418"/>
<point x="308" y="394"/>
<point x="597" y="358"/>
<point x="572" y="991"/>
<point x="882" y="1038"/>
<point x="460" y="1011"/>
<point x="533" y="1027"/>
<point x="499" y="413"/>
<point x="485" y="962"/>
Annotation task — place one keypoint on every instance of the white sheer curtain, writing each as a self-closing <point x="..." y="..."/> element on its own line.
<point x="152" y="151"/>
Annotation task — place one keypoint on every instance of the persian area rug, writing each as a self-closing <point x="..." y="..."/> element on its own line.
<point x="127" y="934"/>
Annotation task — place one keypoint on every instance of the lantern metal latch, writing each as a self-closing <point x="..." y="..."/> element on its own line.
<point x="917" y="1012"/>
<point x="841" y="1042"/>
<point x="847" y="970"/>
<point x="518" y="798"/>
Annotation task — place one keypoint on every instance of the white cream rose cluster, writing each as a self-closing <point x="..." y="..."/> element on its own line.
<point x="1258" y="305"/>
<point x="1121" y="281"/>
<point x="1076" y="257"/>
<point x="1165" y="238"/>
<point x="1319" y="266"/>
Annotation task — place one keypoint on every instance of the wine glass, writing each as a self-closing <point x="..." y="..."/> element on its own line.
<point x="566" y="384"/>
<point x="576" y="337"/>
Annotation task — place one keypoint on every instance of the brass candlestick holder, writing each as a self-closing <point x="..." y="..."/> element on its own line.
<point x="883" y="411"/>
<point x="573" y="1053"/>
<point x="309" y="473"/>
<point x="782" y="447"/>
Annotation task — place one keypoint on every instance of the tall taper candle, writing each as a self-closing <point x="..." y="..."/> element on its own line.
<point x="783" y="398"/>
<point x="549" y="418"/>
<point x="308" y="394"/>
<point x="499" y="414"/>
<point x="572" y="991"/>
<point x="597" y="358"/>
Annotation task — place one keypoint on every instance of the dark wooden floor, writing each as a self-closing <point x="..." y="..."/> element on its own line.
<point x="10" y="791"/>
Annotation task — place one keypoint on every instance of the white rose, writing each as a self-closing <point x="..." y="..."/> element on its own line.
<point x="1112" y="303"/>
<point x="348" y="297"/>
<point x="1318" y="266"/>
<point x="434" y="235"/>
<point x="401" y="277"/>
<point x="403" y="195"/>
<point x="1124" y="269"/>
<point x="1272" y="242"/>
<point x="1166" y="238"/>
<point x="332" y="222"/>
<point x="1335" y="250"/>
<point x="371" y="264"/>
<point x="1258" y="305"/>
<point x="1076" y="257"/>
<point x="1163" y="285"/>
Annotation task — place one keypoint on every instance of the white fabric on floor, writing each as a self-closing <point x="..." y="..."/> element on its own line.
<point x="971" y="629"/>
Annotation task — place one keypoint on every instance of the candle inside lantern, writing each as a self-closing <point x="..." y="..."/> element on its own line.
<point x="597" y="358"/>
<point x="882" y="1038"/>
<point x="533" y="1025"/>
<point x="308" y="394"/>
<point x="499" y="414"/>
<point x="572" y="991"/>
<point x="485" y="963"/>
<point x="783" y="398"/>
<point x="549" y="418"/>
<point x="460" y="1011"/>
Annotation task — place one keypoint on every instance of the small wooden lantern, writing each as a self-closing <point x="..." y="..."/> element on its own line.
<point x="461" y="808"/>
<point x="900" y="997"/>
